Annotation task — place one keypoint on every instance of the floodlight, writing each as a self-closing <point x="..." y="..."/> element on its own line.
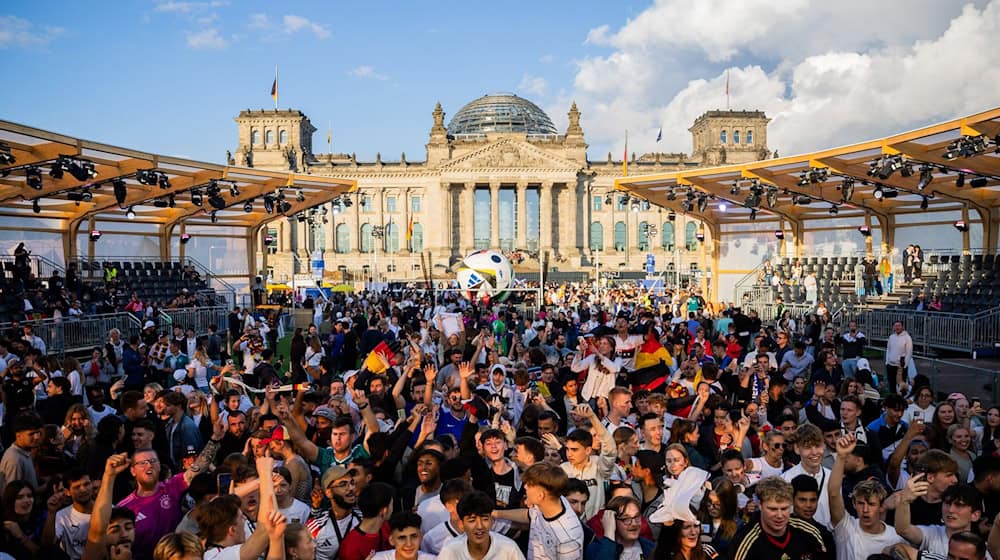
<point x="702" y="203"/>
<point x="120" y="190"/>
<point x="865" y="231"/>
<point x="960" y="181"/>
<point x="185" y="237"/>
<point x="772" y="197"/>
<point x="6" y="155"/>
<point x="130" y="214"/>
<point x="926" y="176"/>
<point x="780" y="234"/>
<point x="978" y="182"/>
<point x="924" y="202"/>
<point x="196" y="198"/>
<point x="834" y="210"/>
<point x="35" y="207"/>
<point x="723" y="207"/>
<point x="95" y="235"/>
<point x="234" y="190"/>
<point x="164" y="181"/>
<point x="33" y="176"/>
<point x="248" y="206"/>
<point x="961" y="226"/>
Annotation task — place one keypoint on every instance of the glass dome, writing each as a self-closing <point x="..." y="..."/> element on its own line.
<point x="500" y="112"/>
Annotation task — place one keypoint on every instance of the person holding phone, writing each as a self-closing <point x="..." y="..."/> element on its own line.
<point x="601" y="366"/>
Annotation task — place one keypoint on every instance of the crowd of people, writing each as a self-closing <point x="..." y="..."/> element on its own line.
<point x="620" y="424"/>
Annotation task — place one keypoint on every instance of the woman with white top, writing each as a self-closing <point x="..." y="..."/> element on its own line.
<point x="601" y="366"/>
<point x="71" y="367"/>
<point x="198" y="368"/>
<point x="922" y="407"/>
<point x="313" y="358"/>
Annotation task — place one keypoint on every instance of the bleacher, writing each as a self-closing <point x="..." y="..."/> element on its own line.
<point x="834" y="280"/>
<point x="150" y="280"/>
<point x="964" y="283"/>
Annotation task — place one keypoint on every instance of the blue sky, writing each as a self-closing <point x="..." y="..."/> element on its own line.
<point x="169" y="76"/>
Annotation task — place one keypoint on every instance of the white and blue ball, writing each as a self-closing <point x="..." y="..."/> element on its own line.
<point x="485" y="274"/>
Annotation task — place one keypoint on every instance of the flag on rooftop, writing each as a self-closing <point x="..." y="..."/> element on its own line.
<point x="659" y="134"/>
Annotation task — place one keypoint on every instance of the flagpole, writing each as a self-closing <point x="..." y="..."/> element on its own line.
<point x="275" y="87"/>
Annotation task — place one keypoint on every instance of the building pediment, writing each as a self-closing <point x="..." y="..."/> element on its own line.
<point x="507" y="154"/>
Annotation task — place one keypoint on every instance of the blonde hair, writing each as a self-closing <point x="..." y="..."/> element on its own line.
<point x="175" y="546"/>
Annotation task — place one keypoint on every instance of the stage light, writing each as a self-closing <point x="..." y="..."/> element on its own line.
<point x="672" y="195"/>
<point x="300" y="196"/>
<point x="635" y="206"/>
<point x="185" y="237"/>
<point x="924" y="202"/>
<point x="248" y="206"/>
<point x="961" y="226"/>
<point x="56" y="172"/>
<point x="960" y="181"/>
<point x="160" y="203"/>
<point x="978" y="182"/>
<point x="702" y="203"/>
<point x="803" y="200"/>
<point x="80" y="170"/>
<point x="907" y="170"/>
<point x="146" y="177"/>
<point x="216" y="201"/>
<point x="215" y="218"/>
<point x="890" y="193"/>
<point x="672" y="216"/>
<point x="865" y="231"/>
<point x="752" y="200"/>
<point x="609" y="200"/>
<point x="269" y="204"/>
<point x="723" y="207"/>
<point x="284" y="206"/>
<point x="700" y="236"/>
<point x="33" y="176"/>
<point x="164" y="181"/>
<point x="847" y="189"/>
<point x="348" y="203"/>
<point x="234" y="190"/>
<point x="834" y="210"/>
<point x="780" y="234"/>
<point x="130" y="214"/>
<point x="76" y="197"/>
<point x="803" y="180"/>
<point x="735" y="189"/>
<point x="171" y="201"/>
<point x="196" y="198"/>
<point x="772" y="197"/>
<point x="6" y="156"/>
<point x="926" y="176"/>
<point x="35" y="207"/>
<point x="120" y="190"/>
<point x="879" y="194"/>
<point x="686" y="206"/>
<point x="95" y="235"/>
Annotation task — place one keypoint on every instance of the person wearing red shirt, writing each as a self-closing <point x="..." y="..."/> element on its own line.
<point x="372" y="533"/>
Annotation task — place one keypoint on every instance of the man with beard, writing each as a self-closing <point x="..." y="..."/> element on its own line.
<point x="157" y="505"/>
<point x="180" y="428"/>
<point x="236" y="436"/>
<point x="112" y="529"/>
<point x="330" y="527"/>
<point x="342" y="436"/>
<point x="69" y="526"/>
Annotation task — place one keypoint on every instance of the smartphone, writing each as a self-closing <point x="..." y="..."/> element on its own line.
<point x="918" y="417"/>
<point x="706" y="528"/>
<point x="229" y="362"/>
<point x="225" y="480"/>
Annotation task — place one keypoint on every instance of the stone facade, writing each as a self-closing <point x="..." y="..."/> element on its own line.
<point x="538" y="195"/>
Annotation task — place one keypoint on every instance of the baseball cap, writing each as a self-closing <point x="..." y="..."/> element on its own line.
<point x="148" y="324"/>
<point x="335" y="473"/>
<point x="277" y="434"/>
<point x="325" y="412"/>
<point x="190" y="451"/>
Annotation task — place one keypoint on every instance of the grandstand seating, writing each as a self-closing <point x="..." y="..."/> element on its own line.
<point x="151" y="280"/>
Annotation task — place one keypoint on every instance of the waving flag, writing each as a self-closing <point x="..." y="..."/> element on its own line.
<point x="659" y="134"/>
<point x="274" y="87"/>
<point x="625" y="157"/>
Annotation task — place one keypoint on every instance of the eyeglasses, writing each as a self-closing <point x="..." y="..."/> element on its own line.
<point x="635" y="519"/>
<point x="146" y="463"/>
<point x="778" y="445"/>
<point x="343" y="484"/>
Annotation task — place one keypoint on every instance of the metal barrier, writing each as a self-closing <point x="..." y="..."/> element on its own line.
<point x="66" y="335"/>
<point x="41" y="267"/>
<point x="929" y="329"/>
<point x="198" y="317"/>
<point x="949" y="376"/>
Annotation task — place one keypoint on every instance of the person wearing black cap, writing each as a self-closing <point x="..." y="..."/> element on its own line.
<point x="647" y="483"/>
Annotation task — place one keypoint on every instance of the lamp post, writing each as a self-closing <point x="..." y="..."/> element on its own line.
<point x="378" y="233"/>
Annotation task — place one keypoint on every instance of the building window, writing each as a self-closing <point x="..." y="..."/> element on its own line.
<point x="598" y="202"/>
<point x="343" y="235"/>
<point x="366" y="203"/>
<point x="596" y="236"/>
<point x="254" y="136"/>
<point x="390" y="204"/>
<point x="283" y="137"/>
<point x="272" y="247"/>
<point x="749" y="138"/>
<point x="390" y="267"/>
<point x="736" y="137"/>
<point x="621" y="204"/>
<point x="392" y="238"/>
<point x="417" y="239"/>
<point x="645" y="205"/>
<point x="415" y="204"/>
<point x="318" y="234"/>
<point x="642" y="232"/>
<point x="621" y="236"/>
<point x="269" y="137"/>
<point x="722" y="137"/>
<point x="667" y="236"/>
<point x="690" y="236"/>
<point x="366" y="239"/>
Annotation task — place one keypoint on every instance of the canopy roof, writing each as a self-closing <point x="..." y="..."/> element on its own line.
<point x="942" y="167"/>
<point x="49" y="178"/>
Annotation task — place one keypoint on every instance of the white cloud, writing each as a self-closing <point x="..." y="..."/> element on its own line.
<point x="367" y="72"/>
<point x="533" y="85"/>
<point x="826" y="74"/>
<point x="187" y="7"/>
<point x="206" y="39"/>
<point x="294" y="24"/>
<point x="259" y="21"/>
<point x="17" y="32"/>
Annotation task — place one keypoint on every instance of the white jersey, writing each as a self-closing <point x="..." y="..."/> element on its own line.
<point x="391" y="555"/>
<point x="761" y="469"/>
<point x="330" y="532"/>
<point x="298" y="512"/>
<point x="439" y="535"/>
<point x="823" y="479"/>
<point x="71" y="531"/>
<point x="560" y="538"/>
<point x="501" y="548"/>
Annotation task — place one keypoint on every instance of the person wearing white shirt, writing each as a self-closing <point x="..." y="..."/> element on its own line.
<point x="479" y="541"/>
<point x="555" y="530"/>
<point x="961" y="508"/>
<point x="294" y="510"/>
<point x="898" y="353"/>
<point x="68" y="527"/>
<point x="436" y="536"/>
<point x="601" y="367"/>
<point x="866" y="534"/>
<point x="405" y="537"/>
<point x="809" y="447"/>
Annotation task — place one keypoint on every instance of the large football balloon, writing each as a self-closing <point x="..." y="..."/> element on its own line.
<point x="485" y="274"/>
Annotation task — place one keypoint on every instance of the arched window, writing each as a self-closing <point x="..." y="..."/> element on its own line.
<point x="366" y="239"/>
<point x="392" y="238"/>
<point x="621" y="236"/>
<point x="283" y="137"/>
<point x="254" y="136"/>
<point x="596" y="236"/>
<point x="318" y="234"/>
<point x="417" y="239"/>
<point x="722" y="137"/>
<point x="667" y="236"/>
<point x="749" y="138"/>
<point x="343" y="238"/>
<point x="736" y="137"/>
<point x="269" y="137"/>
<point x="640" y="234"/>
<point x="690" y="236"/>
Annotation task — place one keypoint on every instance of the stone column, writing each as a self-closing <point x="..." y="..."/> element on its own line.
<point x="284" y="236"/>
<point x="331" y="233"/>
<point x="521" y="224"/>
<point x="467" y="217"/>
<point x="447" y="203"/>
<point x="545" y="217"/>
<point x="494" y="215"/>
<point x="404" y="244"/>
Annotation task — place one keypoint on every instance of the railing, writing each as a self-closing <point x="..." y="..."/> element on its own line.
<point x="749" y="280"/>
<point x="931" y="329"/>
<point x="66" y="335"/>
<point x="198" y="317"/>
<point x="39" y="266"/>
